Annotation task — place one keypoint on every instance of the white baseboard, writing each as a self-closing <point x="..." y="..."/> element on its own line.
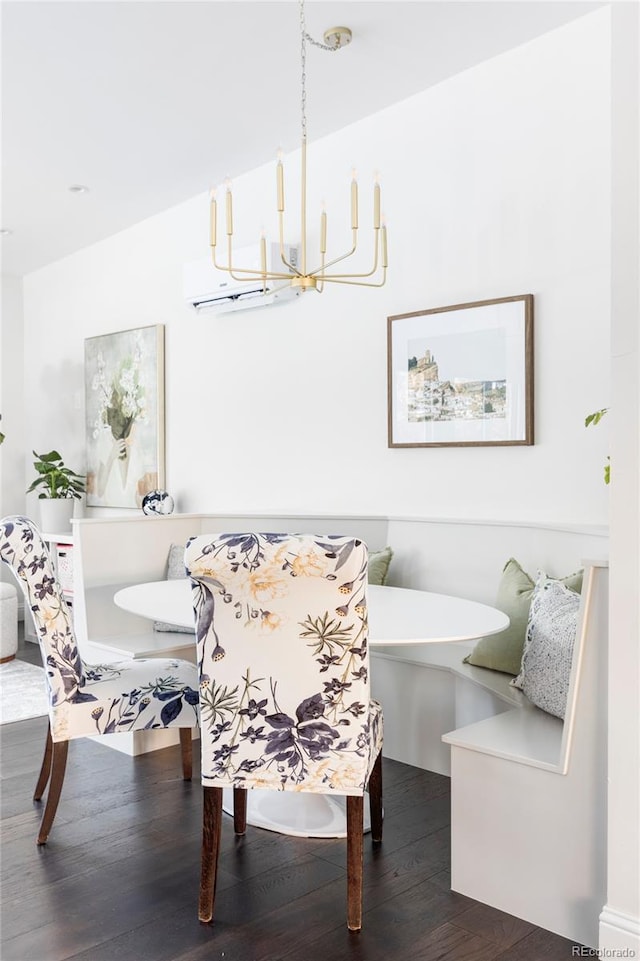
<point x="619" y="934"/>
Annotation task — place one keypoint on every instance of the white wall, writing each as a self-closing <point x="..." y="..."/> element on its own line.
<point x="12" y="451"/>
<point x="495" y="183"/>
<point x="620" y="920"/>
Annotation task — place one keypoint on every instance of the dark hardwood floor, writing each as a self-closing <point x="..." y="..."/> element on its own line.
<point x="119" y="876"/>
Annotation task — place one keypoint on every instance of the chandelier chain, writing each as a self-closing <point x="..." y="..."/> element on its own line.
<point x="291" y="270"/>
<point x="304" y="36"/>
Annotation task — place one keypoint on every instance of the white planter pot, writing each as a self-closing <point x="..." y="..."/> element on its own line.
<point x="56" y="514"/>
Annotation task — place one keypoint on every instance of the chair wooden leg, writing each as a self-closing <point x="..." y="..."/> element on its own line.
<point x="355" y="825"/>
<point x="45" y="770"/>
<point x="375" y="799"/>
<point x="239" y="810"/>
<point x="211" y="830"/>
<point x="58" y="766"/>
<point x="187" y="752"/>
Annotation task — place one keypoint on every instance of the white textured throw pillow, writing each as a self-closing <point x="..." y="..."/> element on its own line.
<point x="548" y="648"/>
<point x="175" y="570"/>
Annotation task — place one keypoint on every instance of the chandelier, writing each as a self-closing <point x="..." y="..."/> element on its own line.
<point x="304" y="274"/>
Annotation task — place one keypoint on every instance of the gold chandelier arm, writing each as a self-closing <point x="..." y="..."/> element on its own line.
<point x="294" y="270"/>
<point x="319" y="270"/>
<point x="357" y="283"/>
<point x="369" y="273"/>
<point x="242" y="273"/>
<point x="214" y="260"/>
<point x="230" y="269"/>
<point x="276" y="290"/>
<point x="321" y="285"/>
<point x="298" y="276"/>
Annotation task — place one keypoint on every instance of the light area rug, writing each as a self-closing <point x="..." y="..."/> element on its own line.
<point x="23" y="691"/>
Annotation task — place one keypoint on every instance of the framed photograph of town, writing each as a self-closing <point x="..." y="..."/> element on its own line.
<point x="462" y="376"/>
<point x="124" y="408"/>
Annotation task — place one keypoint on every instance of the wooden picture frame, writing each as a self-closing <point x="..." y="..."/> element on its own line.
<point x="124" y="409"/>
<point x="462" y="376"/>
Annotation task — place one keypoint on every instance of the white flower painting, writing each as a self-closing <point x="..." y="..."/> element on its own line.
<point x="124" y="381"/>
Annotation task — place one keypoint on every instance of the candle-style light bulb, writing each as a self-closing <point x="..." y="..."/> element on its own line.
<point x="376" y="200"/>
<point x="385" y="258"/>
<point x="229" y="199"/>
<point x="213" y="217"/>
<point x="323" y="230"/>
<point x="263" y="253"/>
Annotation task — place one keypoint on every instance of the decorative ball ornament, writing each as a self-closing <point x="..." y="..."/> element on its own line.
<point x="157" y="502"/>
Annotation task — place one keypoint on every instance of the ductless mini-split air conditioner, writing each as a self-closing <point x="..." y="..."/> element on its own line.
<point x="207" y="288"/>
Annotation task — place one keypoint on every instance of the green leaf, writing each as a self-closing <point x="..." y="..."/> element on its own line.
<point x="595" y="418"/>
<point x="58" y="481"/>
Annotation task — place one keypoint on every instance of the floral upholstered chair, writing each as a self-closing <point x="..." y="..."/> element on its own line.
<point x="90" y="699"/>
<point x="281" y="625"/>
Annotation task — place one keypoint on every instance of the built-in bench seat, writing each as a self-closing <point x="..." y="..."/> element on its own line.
<point x="528" y="790"/>
<point x="488" y="713"/>
<point x="525" y="735"/>
<point x="427" y="690"/>
<point x="528" y="795"/>
<point x="450" y="657"/>
<point x="148" y="644"/>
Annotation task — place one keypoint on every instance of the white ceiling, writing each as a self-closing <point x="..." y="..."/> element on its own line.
<point x="151" y="102"/>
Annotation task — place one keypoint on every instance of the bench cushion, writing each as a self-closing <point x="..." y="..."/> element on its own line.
<point x="379" y="565"/>
<point x="548" y="649"/>
<point x="503" y="651"/>
<point x="175" y="570"/>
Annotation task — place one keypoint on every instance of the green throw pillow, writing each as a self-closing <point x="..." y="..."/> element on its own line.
<point x="503" y="651"/>
<point x="379" y="565"/>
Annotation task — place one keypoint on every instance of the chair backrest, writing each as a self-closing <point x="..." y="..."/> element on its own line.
<point x="281" y="625"/>
<point x="25" y="552"/>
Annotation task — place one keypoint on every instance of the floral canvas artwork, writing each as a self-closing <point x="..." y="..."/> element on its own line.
<point x="124" y="386"/>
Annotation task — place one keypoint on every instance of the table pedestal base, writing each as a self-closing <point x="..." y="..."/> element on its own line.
<point x="300" y="815"/>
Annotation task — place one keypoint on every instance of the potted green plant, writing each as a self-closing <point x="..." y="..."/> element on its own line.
<point x="592" y="420"/>
<point x="59" y="487"/>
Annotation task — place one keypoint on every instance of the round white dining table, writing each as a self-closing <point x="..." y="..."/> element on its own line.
<point x="397" y="615"/>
